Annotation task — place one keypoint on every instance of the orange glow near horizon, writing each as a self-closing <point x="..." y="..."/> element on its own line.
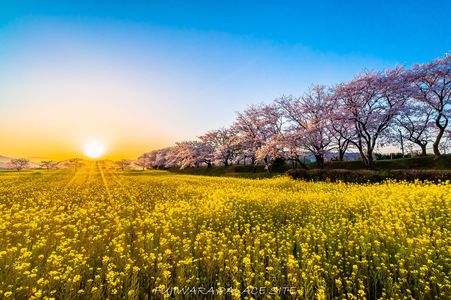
<point x="55" y="146"/>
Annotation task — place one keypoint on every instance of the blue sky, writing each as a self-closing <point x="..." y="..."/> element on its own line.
<point x="146" y="74"/>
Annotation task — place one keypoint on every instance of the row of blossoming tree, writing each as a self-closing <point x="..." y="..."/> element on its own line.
<point x="373" y="109"/>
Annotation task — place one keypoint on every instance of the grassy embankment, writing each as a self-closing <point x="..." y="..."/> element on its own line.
<point x="425" y="167"/>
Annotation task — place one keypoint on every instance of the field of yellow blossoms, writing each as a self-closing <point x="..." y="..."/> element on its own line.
<point x="103" y="234"/>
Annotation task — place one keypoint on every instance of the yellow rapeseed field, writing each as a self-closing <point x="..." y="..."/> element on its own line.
<point x="99" y="233"/>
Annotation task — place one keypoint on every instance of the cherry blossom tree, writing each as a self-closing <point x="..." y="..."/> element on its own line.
<point x="433" y="87"/>
<point x="294" y="151"/>
<point x="309" y="118"/>
<point x="273" y="149"/>
<point x="223" y="142"/>
<point x="340" y="128"/>
<point x="123" y="164"/>
<point x="250" y="137"/>
<point x="162" y="158"/>
<point x="19" y="163"/>
<point x="370" y="103"/>
<point x="191" y="154"/>
<point x="342" y="136"/>
<point x="414" y="123"/>
<point x="142" y="162"/>
<point x="271" y="126"/>
<point x="258" y="131"/>
<point x="146" y="160"/>
<point x="48" y="164"/>
<point x="244" y="152"/>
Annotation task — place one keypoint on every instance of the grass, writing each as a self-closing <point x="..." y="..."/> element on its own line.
<point x="246" y="171"/>
<point x="418" y="162"/>
<point x="229" y="171"/>
<point x="415" y="163"/>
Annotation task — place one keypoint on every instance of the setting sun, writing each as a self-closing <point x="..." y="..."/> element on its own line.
<point x="94" y="150"/>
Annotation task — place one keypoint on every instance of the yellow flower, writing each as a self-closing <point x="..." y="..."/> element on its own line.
<point x="108" y="232"/>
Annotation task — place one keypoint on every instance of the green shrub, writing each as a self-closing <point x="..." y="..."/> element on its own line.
<point x="363" y="176"/>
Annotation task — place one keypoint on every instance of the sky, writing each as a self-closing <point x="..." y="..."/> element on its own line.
<point x="134" y="76"/>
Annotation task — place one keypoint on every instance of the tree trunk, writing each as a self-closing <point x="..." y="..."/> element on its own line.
<point x="302" y="164"/>
<point x="267" y="164"/>
<point x="436" y="149"/>
<point x="423" y="149"/>
<point x="370" y="160"/>
<point x="363" y="156"/>
<point x="341" y="154"/>
<point x="367" y="158"/>
<point x="441" y="131"/>
<point x="319" y="160"/>
<point x="402" y="143"/>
